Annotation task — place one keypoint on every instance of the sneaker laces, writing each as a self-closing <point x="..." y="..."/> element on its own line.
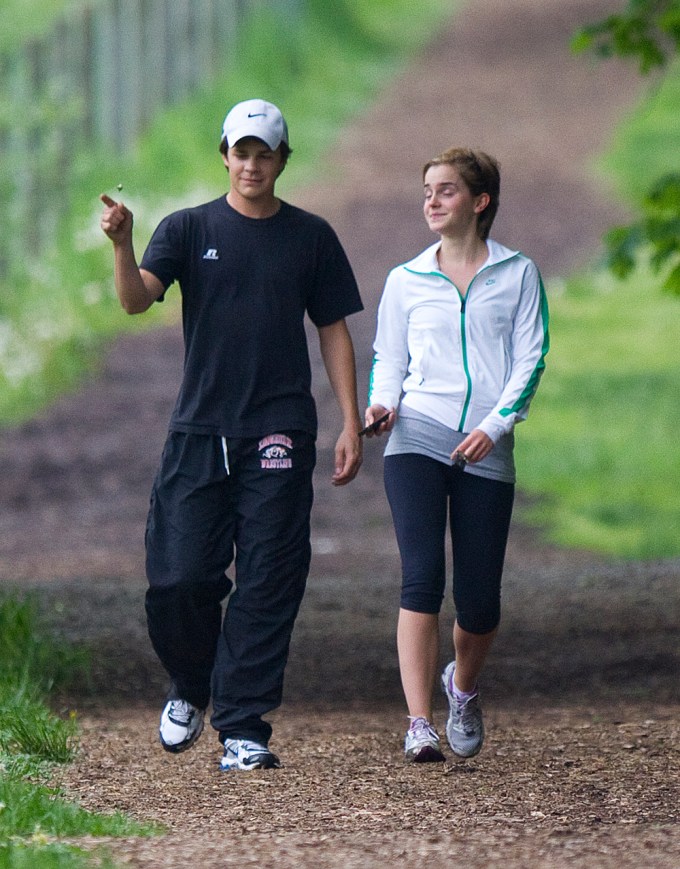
<point x="469" y="714"/>
<point x="180" y="711"/>
<point x="466" y="708"/>
<point x="421" y="727"/>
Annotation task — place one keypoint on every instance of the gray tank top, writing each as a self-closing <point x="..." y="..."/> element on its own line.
<point x="414" y="432"/>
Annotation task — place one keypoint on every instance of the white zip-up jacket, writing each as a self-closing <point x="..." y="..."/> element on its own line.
<point x="470" y="361"/>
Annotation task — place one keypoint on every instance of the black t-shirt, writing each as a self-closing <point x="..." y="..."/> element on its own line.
<point x="246" y="285"/>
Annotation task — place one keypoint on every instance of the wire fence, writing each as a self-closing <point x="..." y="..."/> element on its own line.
<point x="100" y="75"/>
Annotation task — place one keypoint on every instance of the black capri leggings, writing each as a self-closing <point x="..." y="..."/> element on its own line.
<point x="419" y="490"/>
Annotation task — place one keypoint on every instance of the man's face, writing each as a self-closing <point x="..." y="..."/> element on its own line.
<point x="253" y="169"/>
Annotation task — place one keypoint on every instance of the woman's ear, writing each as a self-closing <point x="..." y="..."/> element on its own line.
<point x="482" y="201"/>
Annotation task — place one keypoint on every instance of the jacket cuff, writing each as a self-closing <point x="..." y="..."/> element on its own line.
<point x="495" y="428"/>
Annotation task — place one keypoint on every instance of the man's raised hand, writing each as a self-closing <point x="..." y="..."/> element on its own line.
<point x="116" y="220"/>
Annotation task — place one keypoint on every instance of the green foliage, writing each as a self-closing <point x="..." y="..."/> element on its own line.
<point x="596" y="453"/>
<point x="32" y="665"/>
<point x="648" y="30"/>
<point x="657" y="232"/>
<point x="646" y="143"/>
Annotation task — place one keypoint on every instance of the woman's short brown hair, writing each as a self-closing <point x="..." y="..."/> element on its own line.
<point x="481" y="174"/>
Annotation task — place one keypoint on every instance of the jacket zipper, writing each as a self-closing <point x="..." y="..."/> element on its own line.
<point x="463" y="344"/>
<point x="463" y="340"/>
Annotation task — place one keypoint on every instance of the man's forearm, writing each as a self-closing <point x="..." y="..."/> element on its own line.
<point x="137" y="289"/>
<point x="337" y="352"/>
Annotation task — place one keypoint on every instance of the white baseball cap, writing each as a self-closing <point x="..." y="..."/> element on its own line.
<point x="256" y="118"/>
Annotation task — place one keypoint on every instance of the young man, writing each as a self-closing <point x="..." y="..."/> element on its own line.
<point x="235" y="480"/>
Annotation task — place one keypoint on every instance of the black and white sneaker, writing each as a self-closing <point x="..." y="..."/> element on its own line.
<point x="181" y="725"/>
<point x="246" y="754"/>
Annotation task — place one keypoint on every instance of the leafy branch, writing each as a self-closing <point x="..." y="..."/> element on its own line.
<point x="650" y="31"/>
<point x="658" y="230"/>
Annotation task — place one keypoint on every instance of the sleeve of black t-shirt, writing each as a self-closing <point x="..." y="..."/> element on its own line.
<point x="164" y="255"/>
<point x="335" y="294"/>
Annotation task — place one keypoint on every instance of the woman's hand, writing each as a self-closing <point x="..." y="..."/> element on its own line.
<point x="474" y="448"/>
<point x="373" y="414"/>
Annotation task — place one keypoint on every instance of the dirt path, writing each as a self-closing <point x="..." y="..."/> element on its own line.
<point x="581" y="763"/>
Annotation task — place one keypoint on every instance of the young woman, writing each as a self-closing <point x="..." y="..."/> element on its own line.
<point x="459" y="351"/>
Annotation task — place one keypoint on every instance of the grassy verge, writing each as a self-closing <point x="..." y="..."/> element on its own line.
<point x="54" y="317"/>
<point x="598" y="452"/>
<point x="34" y="816"/>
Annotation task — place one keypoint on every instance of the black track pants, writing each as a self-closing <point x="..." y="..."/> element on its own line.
<point x="216" y="501"/>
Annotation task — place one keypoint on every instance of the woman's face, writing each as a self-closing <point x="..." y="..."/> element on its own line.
<point x="450" y="208"/>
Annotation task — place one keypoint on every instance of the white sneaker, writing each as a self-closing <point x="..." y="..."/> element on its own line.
<point x="421" y="744"/>
<point x="465" y="726"/>
<point x="181" y="725"/>
<point x="246" y="754"/>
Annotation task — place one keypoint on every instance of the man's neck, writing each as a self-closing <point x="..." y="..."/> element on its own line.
<point x="257" y="209"/>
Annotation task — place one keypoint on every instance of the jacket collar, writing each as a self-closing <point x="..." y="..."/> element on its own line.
<point x="426" y="261"/>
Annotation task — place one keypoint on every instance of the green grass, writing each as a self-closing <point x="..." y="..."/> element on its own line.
<point x="33" y="814"/>
<point x="40" y="853"/>
<point x="27" y="656"/>
<point x="597" y="452"/>
<point x="28" y="809"/>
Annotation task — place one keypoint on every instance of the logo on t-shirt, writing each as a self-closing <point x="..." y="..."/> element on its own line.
<point x="211" y="253"/>
<point x="274" y="452"/>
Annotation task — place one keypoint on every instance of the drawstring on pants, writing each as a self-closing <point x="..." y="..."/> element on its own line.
<point x="225" y="453"/>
